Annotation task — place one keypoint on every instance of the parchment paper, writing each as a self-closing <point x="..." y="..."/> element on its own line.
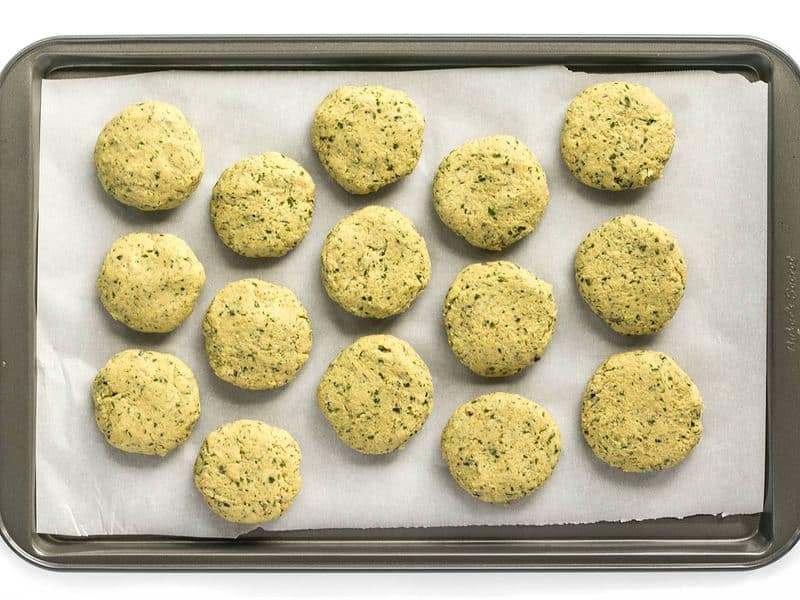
<point x="712" y="197"/>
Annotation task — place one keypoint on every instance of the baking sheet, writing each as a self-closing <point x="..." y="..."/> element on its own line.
<point x="713" y="197"/>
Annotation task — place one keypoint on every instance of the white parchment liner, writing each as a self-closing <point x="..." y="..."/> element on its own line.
<point x="713" y="197"/>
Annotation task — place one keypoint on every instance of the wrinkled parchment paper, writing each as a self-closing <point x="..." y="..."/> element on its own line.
<point x="712" y="197"/>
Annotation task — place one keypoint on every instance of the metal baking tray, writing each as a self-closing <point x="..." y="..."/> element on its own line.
<point x="712" y="542"/>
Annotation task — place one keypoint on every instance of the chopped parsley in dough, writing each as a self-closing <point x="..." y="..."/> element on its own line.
<point x="149" y="156"/>
<point x="145" y="402"/>
<point x="617" y="136"/>
<point x="499" y="318"/>
<point x="374" y="263"/>
<point x="257" y="334"/>
<point x="150" y="282"/>
<point x="641" y="412"/>
<point x="632" y="274"/>
<point x="490" y="191"/>
<point x="376" y="394"/>
<point x="500" y="447"/>
<point x="262" y="205"/>
<point x="367" y="137"/>
<point x="248" y="471"/>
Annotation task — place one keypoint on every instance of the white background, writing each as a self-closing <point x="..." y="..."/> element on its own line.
<point x="29" y="21"/>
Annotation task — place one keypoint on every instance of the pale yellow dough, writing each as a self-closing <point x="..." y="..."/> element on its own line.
<point x="248" y="471"/>
<point x="641" y="412"/>
<point x="149" y="156"/>
<point x="367" y="137"/>
<point x="150" y="282"/>
<point x="632" y="274"/>
<point x="376" y="394"/>
<point x="500" y="447"/>
<point x="145" y="402"/>
<point x="262" y="205"/>
<point x="257" y="334"/>
<point x="490" y="191"/>
<point x="374" y="263"/>
<point x="499" y="318"/>
<point x="617" y="136"/>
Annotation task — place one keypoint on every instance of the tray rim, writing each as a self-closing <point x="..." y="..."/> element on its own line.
<point x="772" y="52"/>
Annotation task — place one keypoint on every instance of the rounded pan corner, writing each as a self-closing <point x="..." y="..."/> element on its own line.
<point x="774" y="52"/>
<point x="31" y="50"/>
<point x="776" y="552"/>
<point x="32" y="558"/>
